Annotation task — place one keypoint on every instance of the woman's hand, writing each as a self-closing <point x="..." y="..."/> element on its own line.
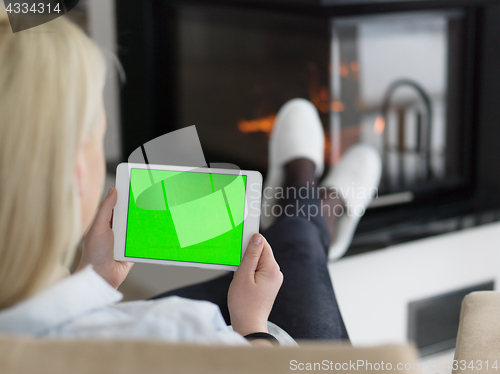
<point x="98" y="245"/>
<point x="254" y="288"/>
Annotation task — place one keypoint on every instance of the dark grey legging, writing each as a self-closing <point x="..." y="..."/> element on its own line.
<point x="305" y="307"/>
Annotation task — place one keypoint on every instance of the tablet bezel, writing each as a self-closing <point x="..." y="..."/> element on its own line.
<point x="120" y="216"/>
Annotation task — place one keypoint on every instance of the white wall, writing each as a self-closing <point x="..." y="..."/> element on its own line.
<point x="374" y="289"/>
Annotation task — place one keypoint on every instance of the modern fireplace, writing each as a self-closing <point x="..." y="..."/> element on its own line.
<point x="413" y="78"/>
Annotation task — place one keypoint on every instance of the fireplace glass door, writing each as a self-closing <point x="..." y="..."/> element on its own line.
<point x="395" y="81"/>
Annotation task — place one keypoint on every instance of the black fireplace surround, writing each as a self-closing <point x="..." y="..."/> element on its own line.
<point x="227" y="67"/>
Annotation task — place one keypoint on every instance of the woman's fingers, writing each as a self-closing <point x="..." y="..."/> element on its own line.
<point x="254" y="288"/>
<point x="268" y="267"/>
<point x="105" y="212"/>
<point x="259" y="261"/>
<point x="267" y="257"/>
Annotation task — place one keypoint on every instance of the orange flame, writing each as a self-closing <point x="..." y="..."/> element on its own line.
<point x="337" y="106"/>
<point x="344" y="70"/>
<point x="355" y="67"/>
<point x="261" y="124"/>
<point x="318" y="95"/>
<point x="379" y="125"/>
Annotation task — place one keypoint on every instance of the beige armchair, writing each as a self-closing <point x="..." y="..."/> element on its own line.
<point x="22" y="356"/>
<point x="478" y="340"/>
<point x="479" y="334"/>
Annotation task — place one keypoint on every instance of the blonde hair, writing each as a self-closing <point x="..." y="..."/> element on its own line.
<point x="51" y="83"/>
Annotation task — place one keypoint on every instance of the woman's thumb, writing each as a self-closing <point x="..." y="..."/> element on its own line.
<point x="252" y="255"/>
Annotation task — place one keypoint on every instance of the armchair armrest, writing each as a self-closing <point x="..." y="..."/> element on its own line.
<point x="478" y="337"/>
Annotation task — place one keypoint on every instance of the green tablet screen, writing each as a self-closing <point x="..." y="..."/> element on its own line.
<point x="186" y="216"/>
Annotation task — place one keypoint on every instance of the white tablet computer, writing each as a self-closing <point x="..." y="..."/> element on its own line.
<point x="185" y="216"/>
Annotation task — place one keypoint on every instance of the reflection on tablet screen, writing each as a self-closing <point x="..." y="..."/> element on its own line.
<point x="186" y="216"/>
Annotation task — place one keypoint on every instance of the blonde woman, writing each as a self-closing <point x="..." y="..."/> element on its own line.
<point x="52" y="171"/>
